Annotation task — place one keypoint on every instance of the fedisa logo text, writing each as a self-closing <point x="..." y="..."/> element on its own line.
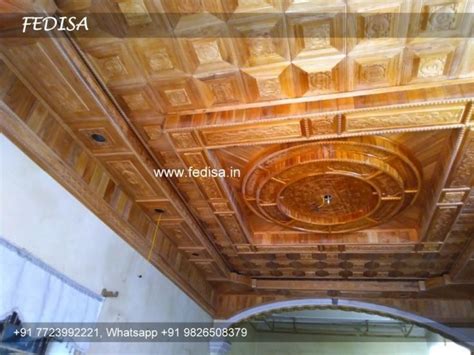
<point x="49" y="23"/>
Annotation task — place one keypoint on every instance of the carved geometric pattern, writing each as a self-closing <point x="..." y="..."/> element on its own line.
<point x="112" y="66"/>
<point x="431" y="66"/>
<point x="320" y="81"/>
<point x="216" y="38"/>
<point x="233" y="228"/>
<point x="373" y="73"/>
<point x="207" y="52"/>
<point x="464" y="173"/>
<point x="249" y="133"/>
<point x="441" y="17"/>
<point x="405" y="117"/>
<point x="136" y="102"/>
<point x="160" y="60"/>
<point x="184" y="140"/>
<point x="153" y="132"/>
<point x="323" y="125"/>
<point x="269" y="87"/>
<point x="132" y="178"/>
<point x="178" y="97"/>
<point x="441" y="224"/>
<point x="377" y="26"/>
<point x="157" y="57"/>
<point x="208" y="185"/>
<point x="317" y="37"/>
<point x="135" y="12"/>
<point x="332" y="187"/>
<point x="453" y="196"/>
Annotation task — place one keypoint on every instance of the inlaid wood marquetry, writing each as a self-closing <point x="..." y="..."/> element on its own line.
<point x="347" y="127"/>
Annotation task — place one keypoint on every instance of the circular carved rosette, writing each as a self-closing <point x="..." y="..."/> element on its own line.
<point x="332" y="186"/>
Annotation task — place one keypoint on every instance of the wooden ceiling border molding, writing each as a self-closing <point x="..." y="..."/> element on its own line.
<point x="329" y="97"/>
<point x="119" y="127"/>
<point x="291" y="239"/>
<point x="231" y="199"/>
<point x="140" y="148"/>
<point x="169" y="247"/>
<point x="174" y="122"/>
<point x="303" y="138"/>
<point x="289" y="130"/>
<point x="450" y="200"/>
<point x="436" y="220"/>
<point x="24" y="133"/>
<point x="190" y="122"/>
<point x="194" y="224"/>
<point x="351" y="286"/>
<point x="213" y="194"/>
<point x="217" y="195"/>
<point x="466" y="258"/>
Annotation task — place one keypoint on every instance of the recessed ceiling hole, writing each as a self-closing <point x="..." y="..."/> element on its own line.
<point x="98" y="137"/>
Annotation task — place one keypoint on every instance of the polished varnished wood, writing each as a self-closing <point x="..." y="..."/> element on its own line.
<point x="384" y="126"/>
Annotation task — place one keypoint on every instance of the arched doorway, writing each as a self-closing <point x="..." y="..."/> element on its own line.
<point x="222" y="347"/>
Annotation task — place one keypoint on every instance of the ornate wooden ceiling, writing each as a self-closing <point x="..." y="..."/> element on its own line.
<point x="352" y="130"/>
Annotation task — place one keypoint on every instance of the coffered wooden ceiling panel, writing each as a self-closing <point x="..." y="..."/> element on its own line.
<point x="215" y="54"/>
<point x="350" y="122"/>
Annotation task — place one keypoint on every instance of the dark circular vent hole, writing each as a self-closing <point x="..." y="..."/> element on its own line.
<point x="140" y="276"/>
<point x="98" y="137"/>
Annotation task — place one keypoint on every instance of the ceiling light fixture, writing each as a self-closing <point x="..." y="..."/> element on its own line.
<point x="98" y="137"/>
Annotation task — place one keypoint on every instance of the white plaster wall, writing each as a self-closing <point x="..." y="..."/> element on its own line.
<point x="41" y="216"/>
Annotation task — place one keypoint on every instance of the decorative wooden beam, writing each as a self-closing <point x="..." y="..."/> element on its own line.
<point x="461" y="262"/>
<point x="283" y="125"/>
<point x="442" y="281"/>
<point x="435" y="282"/>
<point x="451" y="93"/>
<point x="385" y="94"/>
<point x="323" y="285"/>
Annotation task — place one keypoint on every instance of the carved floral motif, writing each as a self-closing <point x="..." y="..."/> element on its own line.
<point x="431" y="66"/>
<point x="377" y="25"/>
<point x="319" y="187"/>
<point x="442" y="17"/>
<point x="320" y="81"/>
<point x="178" y="97"/>
<point x="269" y="87"/>
<point x="317" y="36"/>
<point x="160" y="60"/>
